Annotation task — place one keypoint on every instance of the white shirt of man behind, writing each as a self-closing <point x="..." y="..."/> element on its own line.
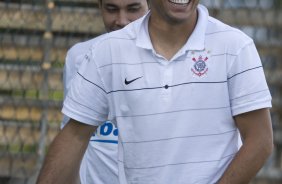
<point x="99" y="164"/>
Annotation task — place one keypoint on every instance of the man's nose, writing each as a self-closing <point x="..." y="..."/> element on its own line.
<point x="122" y="19"/>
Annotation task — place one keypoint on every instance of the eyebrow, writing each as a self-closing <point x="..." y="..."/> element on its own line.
<point x="130" y="5"/>
<point x="134" y="4"/>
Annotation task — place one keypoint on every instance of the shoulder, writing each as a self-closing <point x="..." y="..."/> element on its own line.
<point x="83" y="47"/>
<point x="226" y="35"/>
<point x="115" y="44"/>
<point x="128" y="33"/>
<point x="76" y="53"/>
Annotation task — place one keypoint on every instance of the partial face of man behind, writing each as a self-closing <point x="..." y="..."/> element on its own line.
<point x="118" y="13"/>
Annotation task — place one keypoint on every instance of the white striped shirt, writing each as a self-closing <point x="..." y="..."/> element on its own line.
<point x="175" y="118"/>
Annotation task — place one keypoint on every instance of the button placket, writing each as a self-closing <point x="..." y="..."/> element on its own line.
<point x="167" y="81"/>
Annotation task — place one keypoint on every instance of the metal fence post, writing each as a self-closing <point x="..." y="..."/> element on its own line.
<point x="45" y="66"/>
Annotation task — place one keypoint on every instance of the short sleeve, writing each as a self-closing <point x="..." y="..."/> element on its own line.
<point x="86" y="100"/>
<point x="70" y="70"/>
<point x="247" y="85"/>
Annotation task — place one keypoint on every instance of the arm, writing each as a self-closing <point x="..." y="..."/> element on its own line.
<point x="256" y="131"/>
<point x="65" y="153"/>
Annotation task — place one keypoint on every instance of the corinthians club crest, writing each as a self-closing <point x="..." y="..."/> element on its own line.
<point x="200" y="65"/>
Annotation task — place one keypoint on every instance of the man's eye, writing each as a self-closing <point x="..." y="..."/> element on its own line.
<point x="134" y="9"/>
<point x="111" y="9"/>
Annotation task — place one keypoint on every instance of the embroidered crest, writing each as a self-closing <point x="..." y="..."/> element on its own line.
<point x="200" y="67"/>
<point x="200" y="64"/>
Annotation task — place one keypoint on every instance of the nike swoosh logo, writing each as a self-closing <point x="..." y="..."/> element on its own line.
<point x="126" y="82"/>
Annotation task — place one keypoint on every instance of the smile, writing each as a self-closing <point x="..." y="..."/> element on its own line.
<point x="180" y="2"/>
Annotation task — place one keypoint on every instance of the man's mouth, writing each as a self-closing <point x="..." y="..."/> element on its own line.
<point x="180" y="2"/>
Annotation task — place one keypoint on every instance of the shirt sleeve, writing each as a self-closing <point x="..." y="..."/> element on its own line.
<point x="86" y="100"/>
<point x="68" y="74"/>
<point x="247" y="85"/>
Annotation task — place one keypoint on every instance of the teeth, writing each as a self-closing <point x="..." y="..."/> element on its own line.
<point x="180" y="1"/>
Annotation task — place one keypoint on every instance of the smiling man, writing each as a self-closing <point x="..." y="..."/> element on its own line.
<point x="182" y="87"/>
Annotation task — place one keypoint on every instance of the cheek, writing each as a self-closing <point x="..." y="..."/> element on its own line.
<point x="134" y="16"/>
<point x="108" y="20"/>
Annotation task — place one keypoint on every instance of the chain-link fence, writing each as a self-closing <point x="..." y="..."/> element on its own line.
<point x="34" y="38"/>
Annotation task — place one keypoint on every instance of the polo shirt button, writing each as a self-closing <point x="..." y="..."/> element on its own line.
<point x="166" y="86"/>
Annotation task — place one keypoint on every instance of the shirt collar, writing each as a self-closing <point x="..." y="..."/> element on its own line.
<point x="195" y="42"/>
<point x="143" y="39"/>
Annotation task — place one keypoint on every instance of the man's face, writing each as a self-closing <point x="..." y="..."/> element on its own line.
<point x="174" y="11"/>
<point x="118" y="13"/>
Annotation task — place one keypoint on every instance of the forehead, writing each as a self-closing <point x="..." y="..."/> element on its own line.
<point x="123" y="3"/>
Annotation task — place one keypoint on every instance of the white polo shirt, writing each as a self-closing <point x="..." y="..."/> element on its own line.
<point x="175" y="118"/>
<point x="99" y="164"/>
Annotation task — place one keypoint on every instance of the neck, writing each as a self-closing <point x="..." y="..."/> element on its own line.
<point x="167" y="39"/>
